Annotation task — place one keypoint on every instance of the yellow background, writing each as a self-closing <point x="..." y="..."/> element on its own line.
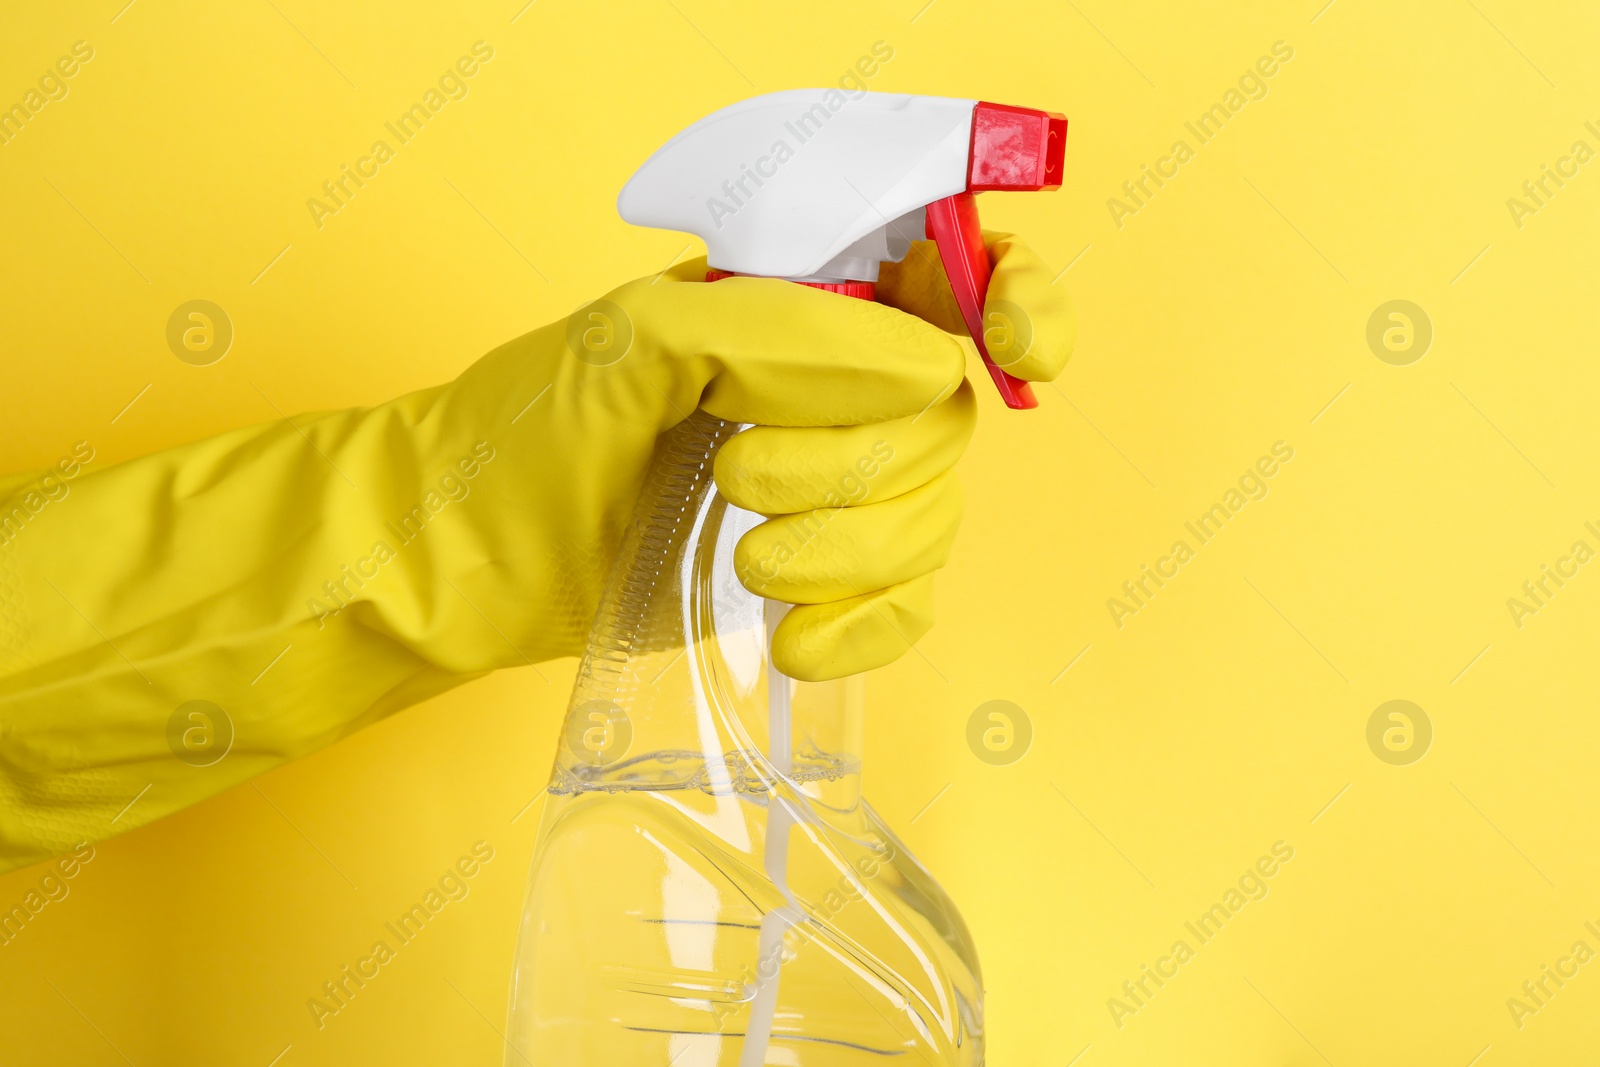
<point x="1222" y="317"/>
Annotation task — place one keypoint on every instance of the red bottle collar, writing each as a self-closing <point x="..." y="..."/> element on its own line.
<point x="860" y="290"/>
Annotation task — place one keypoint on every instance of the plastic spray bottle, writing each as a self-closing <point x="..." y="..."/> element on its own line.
<point x="709" y="887"/>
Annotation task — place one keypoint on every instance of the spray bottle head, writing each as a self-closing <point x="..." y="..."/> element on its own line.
<point x="822" y="185"/>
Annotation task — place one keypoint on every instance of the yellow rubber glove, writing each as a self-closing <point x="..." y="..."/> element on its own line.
<point x="177" y="624"/>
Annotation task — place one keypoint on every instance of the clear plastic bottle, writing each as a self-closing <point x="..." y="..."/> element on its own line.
<point x="708" y="887"/>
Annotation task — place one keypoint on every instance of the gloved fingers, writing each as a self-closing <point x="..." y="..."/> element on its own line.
<point x="835" y="553"/>
<point x="767" y="351"/>
<point x="918" y="286"/>
<point x="780" y="470"/>
<point x="1029" y="323"/>
<point x="816" y="642"/>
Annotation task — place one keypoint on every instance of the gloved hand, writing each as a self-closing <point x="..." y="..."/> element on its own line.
<point x="311" y="577"/>
<point x="865" y="514"/>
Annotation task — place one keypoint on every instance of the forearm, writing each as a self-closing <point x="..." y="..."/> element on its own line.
<point x="305" y="579"/>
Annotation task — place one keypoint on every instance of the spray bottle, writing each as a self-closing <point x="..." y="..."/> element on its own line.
<point x="709" y="887"/>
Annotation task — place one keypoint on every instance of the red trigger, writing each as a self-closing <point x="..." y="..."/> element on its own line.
<point x="953" y="226"/>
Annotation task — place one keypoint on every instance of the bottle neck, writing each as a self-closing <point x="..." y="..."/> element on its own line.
<point x="677" y="689"/>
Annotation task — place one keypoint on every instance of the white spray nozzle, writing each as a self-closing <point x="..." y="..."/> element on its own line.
<point x="808" y="183"/>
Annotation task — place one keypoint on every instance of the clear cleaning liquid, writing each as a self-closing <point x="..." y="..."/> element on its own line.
<point x="708" y="886"/>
